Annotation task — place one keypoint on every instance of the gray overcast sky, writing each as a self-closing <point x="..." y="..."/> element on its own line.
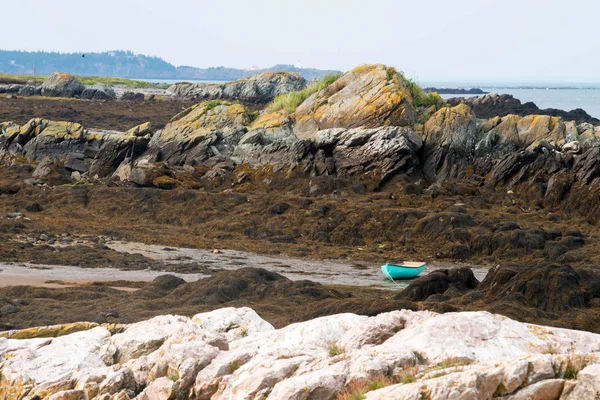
<point x="464" y="40"/>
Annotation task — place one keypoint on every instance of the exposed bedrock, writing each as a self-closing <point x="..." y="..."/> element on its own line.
<point x="260" y="88"/>
<point x="222" y="355"/>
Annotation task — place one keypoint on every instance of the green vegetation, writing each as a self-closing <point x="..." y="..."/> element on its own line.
<point x="234" y="366"/>
<point x="210" y="104"/>
<point x="174" y="377"/>
<point x="571" y="370"/>
<point x="128" y="83"/>
<point x="453" y="362"/>
<point x="18" y="78"/>
<point x="356" y="390"/>
<point x="290" y="101"/>
<point x="86" y="80"/>
<point x="407" y="376"/>
<point x="420" y="98"/>
<point x="334" y="350"/>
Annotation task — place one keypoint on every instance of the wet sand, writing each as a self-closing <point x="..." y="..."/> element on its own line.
<point x="13" y="274"/>
<point x="328" y="272"/>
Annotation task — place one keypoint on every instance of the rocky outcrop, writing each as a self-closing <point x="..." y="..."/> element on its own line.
<point x="202" y="131"/>
<point x="368" y="96"/>
<point x="449" y="138"/>
<point x="222" y="355"/>
<point x="500" y="105"/>
<point x="508" y="150"/>
<point x="363" y="124"/>
<point x="98" y="92"/>
<point x="62" y="85"/>
<point x="260" y="88"/>
<point x="78" y="149"/>
<point x="379" y="152"/>
<point x="21" y="89"/>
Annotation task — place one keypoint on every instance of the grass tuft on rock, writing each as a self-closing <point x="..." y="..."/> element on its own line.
<point x="291" y="101"/>
<point x="422" y="99"/>
<point x="334" y="350"/>
<point x="357" y="389"/>
<point x="210" y="104"/>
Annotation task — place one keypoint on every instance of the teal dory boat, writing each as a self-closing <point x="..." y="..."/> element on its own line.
<point x="404" y="270"/>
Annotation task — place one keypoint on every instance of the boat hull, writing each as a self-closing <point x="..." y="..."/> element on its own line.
<point x="394" y="272"/>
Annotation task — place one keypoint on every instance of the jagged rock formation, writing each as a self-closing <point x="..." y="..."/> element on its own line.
<point x="500" y="105"/>
<point x="79" y="149"/>
<point x="199" y="132"/>
<point x="260" y="88"/>
<point x="368" y="96"/>
<point x="222" y="355"/>
<point x="362" y="125"/>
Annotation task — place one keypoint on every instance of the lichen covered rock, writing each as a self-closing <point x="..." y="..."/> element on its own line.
<point x="368" y="96"/>
<point x="62" y="85"/>
<point x="197" y="133"/>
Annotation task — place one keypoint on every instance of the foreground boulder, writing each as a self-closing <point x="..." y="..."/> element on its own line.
<point x="62" y="85"/>
<point x="222" y="355"/>
<point x="260" y="88"/>
<point x="369" y="96"/>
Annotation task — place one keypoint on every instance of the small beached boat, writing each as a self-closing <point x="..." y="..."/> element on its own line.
<point x="404" y="270"/>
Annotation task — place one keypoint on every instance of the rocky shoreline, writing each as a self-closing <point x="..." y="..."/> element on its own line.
<point x="495" y="105"/>
<point x="365" y="167"/>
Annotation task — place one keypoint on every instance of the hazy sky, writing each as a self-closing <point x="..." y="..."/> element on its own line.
<point x="442" y="40"/>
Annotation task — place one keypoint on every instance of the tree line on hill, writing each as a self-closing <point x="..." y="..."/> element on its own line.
<point x="126" y="64"/>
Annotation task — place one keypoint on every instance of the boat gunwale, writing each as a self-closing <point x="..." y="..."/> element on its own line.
<point x="415" y="266"/>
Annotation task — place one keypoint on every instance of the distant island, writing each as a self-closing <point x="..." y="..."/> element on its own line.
<point x="126" y="64"/>
<point x="454" y="91"/>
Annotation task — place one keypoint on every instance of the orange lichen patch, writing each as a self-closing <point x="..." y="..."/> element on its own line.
<point x="450" y="125"/>
<point x="270" y="120"/>
<point x="59" y="129"/>
<point x="64" y="130"/>
<point x="205" y="118"/>
<point x="139" y="130"/>
<point x="539" y="331"/>
<point x="536" y="128"/>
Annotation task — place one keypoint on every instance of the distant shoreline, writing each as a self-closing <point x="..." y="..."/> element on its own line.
<point x="474" y="91"/>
